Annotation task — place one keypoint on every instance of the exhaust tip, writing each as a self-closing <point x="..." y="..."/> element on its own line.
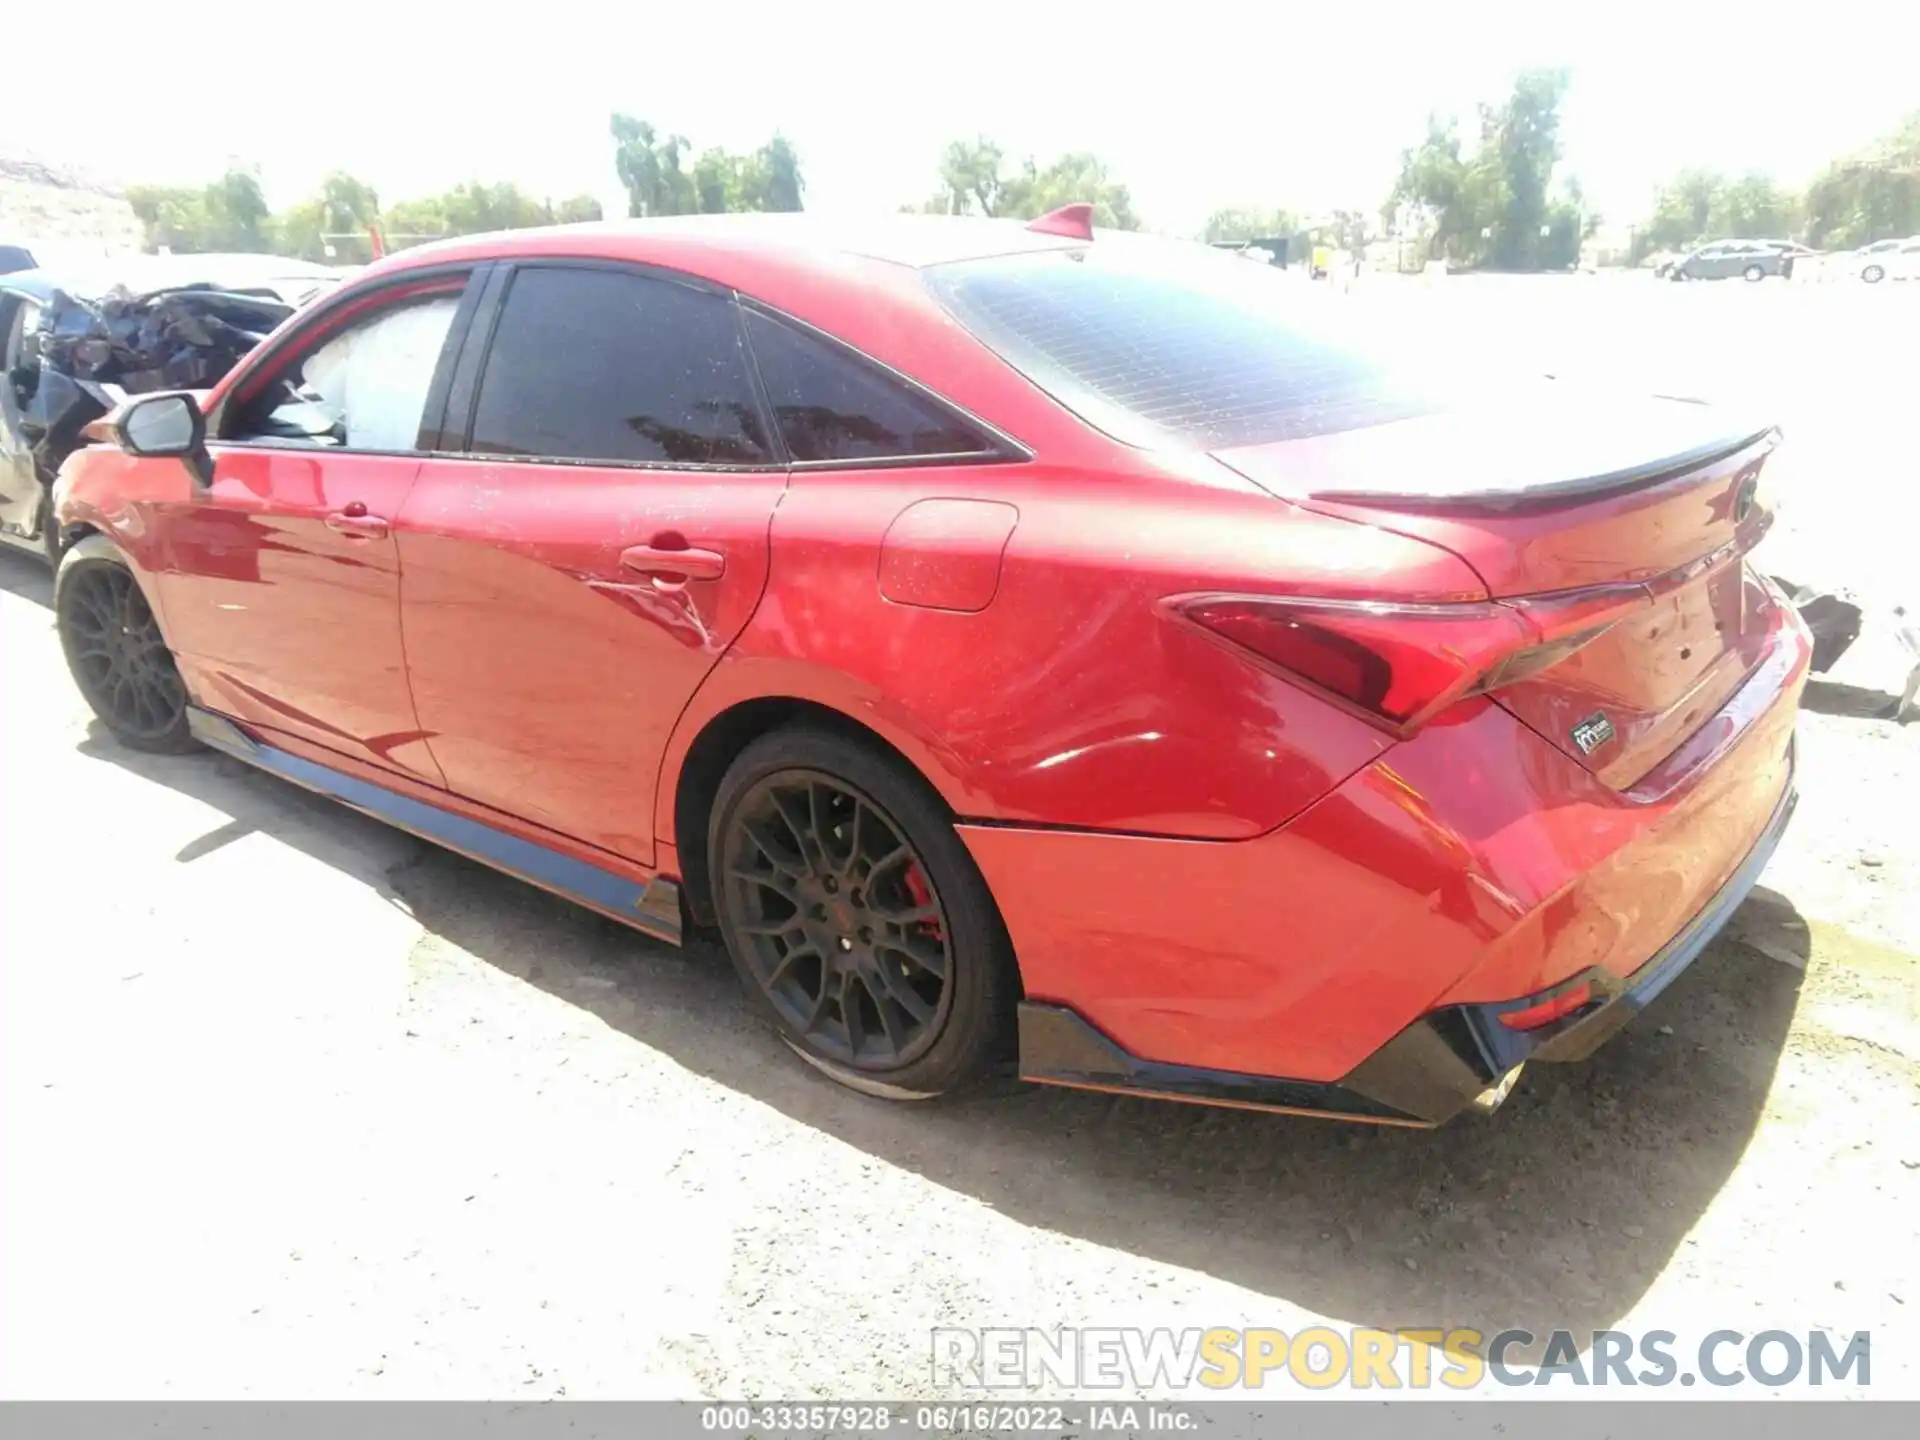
<point x="1495" y="1095"/>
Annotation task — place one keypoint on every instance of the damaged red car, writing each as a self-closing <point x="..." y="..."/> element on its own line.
<point x="1024" y="645"/>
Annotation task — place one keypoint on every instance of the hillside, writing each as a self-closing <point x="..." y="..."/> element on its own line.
<point x="59" y="214"/>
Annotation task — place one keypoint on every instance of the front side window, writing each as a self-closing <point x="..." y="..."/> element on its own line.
<point x="364" y="389"/>
<point x="831" y="405"/>
<point x="601" y="365"/>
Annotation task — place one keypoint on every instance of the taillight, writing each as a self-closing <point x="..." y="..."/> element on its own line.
<point x="1399" y="665"/>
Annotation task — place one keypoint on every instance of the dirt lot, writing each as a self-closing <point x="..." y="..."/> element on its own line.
<point x="293" y="1105"/>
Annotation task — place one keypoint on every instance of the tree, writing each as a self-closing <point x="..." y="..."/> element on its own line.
<point x="423" y="218"/>
<point x="1494" y="206"/>
<point x="1699" y="205"/>
<point x="1428" y="197"/>
<point x="1081" y="176"/>
<point x="473" y="209"/>
<point x="1752" y="208"/>
<point x="229" y="214"/>
<point x="577" y="209"/>
<point x="1871" y="196"/>
<point x="332" y="224"/>
<point x="171" y="217"/>
<point x="1682" y="210"/>
<point x="1249" y="224"/>
<point x="1524" y="136"/>
<point x="1570" y="224"/>
<point x="969" y="179"/>
<point x="774" y="181"/>
<point x="972" y="183"/>
<point x="717" y="182"/>
<point x="1349" y="230"/>
<point x="649" y="167"/>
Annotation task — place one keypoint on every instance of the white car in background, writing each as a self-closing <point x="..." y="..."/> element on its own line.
<point x="1888" y="260"/>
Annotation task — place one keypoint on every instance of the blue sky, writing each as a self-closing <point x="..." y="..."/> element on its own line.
<point x="1195" y="104"/>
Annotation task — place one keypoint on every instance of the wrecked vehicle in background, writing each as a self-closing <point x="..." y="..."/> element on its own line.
<point x="75" y="345"/>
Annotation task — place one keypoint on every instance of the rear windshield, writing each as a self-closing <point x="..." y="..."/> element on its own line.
<point x="1167" y="343"/>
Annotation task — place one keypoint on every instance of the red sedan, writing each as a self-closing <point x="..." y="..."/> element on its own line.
<point x="1012" y="640"/>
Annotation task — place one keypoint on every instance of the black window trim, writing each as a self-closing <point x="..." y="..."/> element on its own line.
<point x="298" y="344"/>
<point x="457" y="386"/>
<point x="1002" y="448"/>
<point x="471" y="371"/>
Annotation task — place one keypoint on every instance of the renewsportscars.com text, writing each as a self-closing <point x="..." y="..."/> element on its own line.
<point x="1322" y="1357"/>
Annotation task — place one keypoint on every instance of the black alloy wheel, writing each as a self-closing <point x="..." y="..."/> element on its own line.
<point x="116" y="653"/>
<point x="837" y="919"/>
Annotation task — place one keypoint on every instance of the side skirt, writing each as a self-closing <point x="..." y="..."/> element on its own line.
<point x="1057" y="1047"/>
<point x="653" y="907"/>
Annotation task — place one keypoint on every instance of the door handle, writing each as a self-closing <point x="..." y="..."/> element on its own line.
<point x="674" y="564"/>
<point x="356" y="524"/>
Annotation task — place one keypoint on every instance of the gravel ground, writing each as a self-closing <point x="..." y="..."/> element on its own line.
<point x="295" y="1106"/>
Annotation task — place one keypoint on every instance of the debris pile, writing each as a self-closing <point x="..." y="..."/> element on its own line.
<point x="85" y="356"/>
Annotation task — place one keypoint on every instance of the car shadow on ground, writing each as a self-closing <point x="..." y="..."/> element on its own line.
<point x="1833" y="697"/>
<point x="26" y="576"/>
<point x="1558" y="1212"/>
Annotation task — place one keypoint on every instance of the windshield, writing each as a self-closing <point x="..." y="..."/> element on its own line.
<point x="1168" y="344"/>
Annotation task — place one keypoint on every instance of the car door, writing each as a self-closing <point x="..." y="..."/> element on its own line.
<point x="282" y="590"/>
<point x="572" y="578"/>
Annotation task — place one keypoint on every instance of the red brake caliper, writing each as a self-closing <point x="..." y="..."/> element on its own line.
<point x="922" y="894"/>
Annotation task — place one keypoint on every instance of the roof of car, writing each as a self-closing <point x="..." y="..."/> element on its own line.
<point x="908" y="240"/>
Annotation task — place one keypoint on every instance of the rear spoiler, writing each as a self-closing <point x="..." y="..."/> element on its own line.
<point x="1548" y="492"/>
<point x="1526" y="454"/>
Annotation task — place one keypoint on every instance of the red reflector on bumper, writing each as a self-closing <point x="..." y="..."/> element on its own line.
<point x="1549" y="1010"/>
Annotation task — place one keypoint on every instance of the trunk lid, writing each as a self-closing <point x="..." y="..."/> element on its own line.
<point x="1634" y="514"/>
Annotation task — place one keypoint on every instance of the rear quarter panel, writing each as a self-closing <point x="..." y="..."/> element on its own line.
<point x="1068" y="699"/>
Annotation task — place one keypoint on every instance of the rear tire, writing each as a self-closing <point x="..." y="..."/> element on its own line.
<point x="1873" y="274"/>
<point x="1753" y="273"/>
<point x="115" y="651"/>
<point x="857" y="920"/>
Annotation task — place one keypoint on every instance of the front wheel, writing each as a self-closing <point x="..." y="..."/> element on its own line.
<point x="1753" y="273"/>
<point x="115" y="651"/>
<point x="856" y="917"/>
<point x="1873" y="274"/>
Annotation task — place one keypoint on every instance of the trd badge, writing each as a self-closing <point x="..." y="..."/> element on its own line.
<point x="1593" y="732"/>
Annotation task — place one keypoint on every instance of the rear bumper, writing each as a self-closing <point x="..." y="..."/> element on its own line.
<point x="1437" y="1066"/>
<point x="1366" y="951"/>
<point x="1431" y="1070"/>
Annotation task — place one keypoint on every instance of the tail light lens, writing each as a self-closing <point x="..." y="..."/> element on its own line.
<point x="1399" y="665"/>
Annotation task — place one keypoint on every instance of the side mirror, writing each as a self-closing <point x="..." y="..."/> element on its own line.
<point x="166" y="425"/>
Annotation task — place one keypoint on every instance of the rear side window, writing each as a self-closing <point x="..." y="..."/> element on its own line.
<point x="601" y="365"/>
<point x="831" y="405"/>
<point x="1167" y="344"/>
